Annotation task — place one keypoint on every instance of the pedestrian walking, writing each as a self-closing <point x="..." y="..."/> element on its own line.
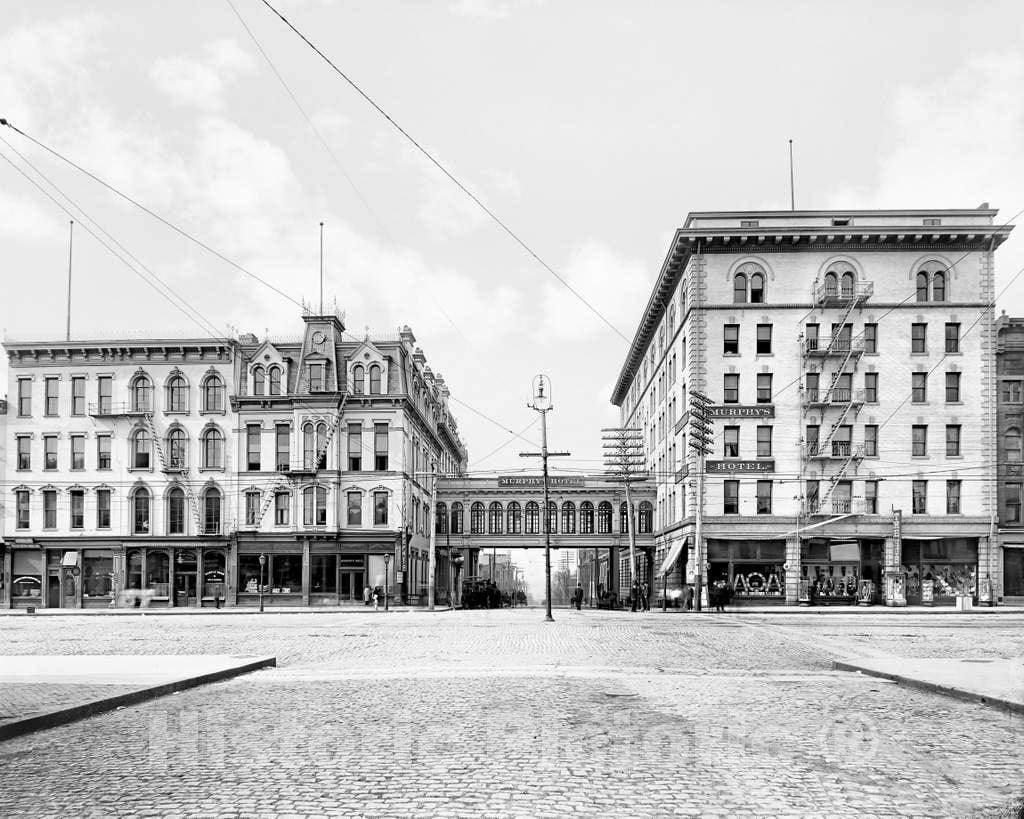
<point x="645" y="596"/>
<point x="376" y="601"/>
<point x="689" y="598"/>
<point x="634" y="596"/>
<point x="577" y="597"/>
<point x="367" y="595"/>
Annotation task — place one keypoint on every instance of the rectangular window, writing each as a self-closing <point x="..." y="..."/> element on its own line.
<point x="871" y="388"/>
<point x="731" y="339"/>
<point x="355" y="447"/>
<point x="870" y="339"/>
<point x="24" y="397"/>
<point x="1013" y="392"/>
<point x="764" y="497"/>
<point x="732" y="388"/>
<point x="253" y="439"/>
<point x="104" y="392"/>
<point x="764" y="339"/>
<point x="813" y="496"/>
<point x="952" y="439"/>
<point x="1012" y="493"/>
<point x="811" y="385"/>
<point x="764" y="388"/>
<point x="812" y="437"/>
<point x="764" y="442"/>
<point x="731" y="438"/>
<point x="282" y="446"/>
<point x="252" y="508"/>
<point x="919" y="387"/>
<point x="842" y="441"/>
<point x="952" y="388"/>
<point x="380" y="508"/>
<point x="21" y="501"/>
<point x="103" y="452"/>
<point x="919" y="438"/>
<point x="871" y="440"/>
<point x="355" y="508"/>
<point x="78" y="395"/>
<point x="812" y="337"/>
<point x="952" y="497"/>
<point x="78" y="452"/>
<point x="731" y="498"/>
<point x="380" y="447"/>
<point x="49" y="452"/>
<point x="316" y="377"/>
<point x="282" y="502"/>
<point x="52" y="396"/>
<point x="49" y="509"/>
<point x="102" y="508"/>
<point x="952" y="337"/>
<point x="918" y="338"/>
<point x="920" y="497"/>
<point x="77" y="509"/>
<point x="24" y="452"/>
<point x="871" y="497"/>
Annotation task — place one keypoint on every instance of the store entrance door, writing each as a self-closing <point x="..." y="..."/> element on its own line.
<point x="351" y="587"/>
<point x="185" y="590"/>
<point x="53" y="591"/>
<point x="1013" y="576"/>
<point x="70" y="594"/>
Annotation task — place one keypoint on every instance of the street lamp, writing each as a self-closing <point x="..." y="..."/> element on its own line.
<point x="387" y="562"/>
<point x="263" y="563"/>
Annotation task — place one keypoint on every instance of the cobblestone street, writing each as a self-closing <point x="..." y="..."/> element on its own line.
<point x="498" y="713"/>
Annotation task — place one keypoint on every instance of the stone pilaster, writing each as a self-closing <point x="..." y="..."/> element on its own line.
<point x="793" y="573"/>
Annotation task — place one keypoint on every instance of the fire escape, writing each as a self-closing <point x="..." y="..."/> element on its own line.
<point x="829" y="398"/>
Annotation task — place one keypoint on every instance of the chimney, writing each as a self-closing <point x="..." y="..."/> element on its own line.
<point x="406" y="335"/>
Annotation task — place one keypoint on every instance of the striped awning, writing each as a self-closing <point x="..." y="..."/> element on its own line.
<point x="672" y="556"/>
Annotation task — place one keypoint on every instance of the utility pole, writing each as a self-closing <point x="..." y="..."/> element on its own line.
<point x="700" y="440"/>
<point x="542" y="403"/>
<point x="432" y="517"/>
<point x="624" y="462"/>
<point x="71" y="244"/>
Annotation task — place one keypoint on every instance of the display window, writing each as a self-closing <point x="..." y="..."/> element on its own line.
<point x="213" y="574"/>
<point x="940" y="570"/>
<point x="323" y="574"/>
<point x="752" y="570"/>
<point x="282" y="574"/>
<point x="98" y="574"/>
<point x="27" y="579"/>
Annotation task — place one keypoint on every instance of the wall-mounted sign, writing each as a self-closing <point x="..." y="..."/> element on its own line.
<point x="535" y="480"/>
<point x="739" y="467"/>
<point x="741" y="411"/>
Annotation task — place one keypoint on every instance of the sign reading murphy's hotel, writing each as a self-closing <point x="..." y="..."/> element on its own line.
<point x="534" y="480"/>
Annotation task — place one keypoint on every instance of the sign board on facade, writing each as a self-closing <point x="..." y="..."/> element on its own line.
<point x="741" y="411"/>
<point x="740" y="467"/>
<point x="536" y="480"/>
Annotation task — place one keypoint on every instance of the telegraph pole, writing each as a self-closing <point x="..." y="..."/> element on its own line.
<point x="700" y="440"/>
<point x="432" y="517"/>
<point x="624" y="462"/>
<point x="542" y="403"/>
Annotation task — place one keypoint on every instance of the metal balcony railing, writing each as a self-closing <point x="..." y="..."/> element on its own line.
<point x="829" y="292"/>
<point x="836" y="345"/>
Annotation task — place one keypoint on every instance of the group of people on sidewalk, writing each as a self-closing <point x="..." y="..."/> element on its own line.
<point x="719" y="596"/>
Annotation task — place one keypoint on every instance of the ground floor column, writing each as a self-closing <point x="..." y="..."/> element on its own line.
<point x="613" y="570"/>
<point x="793" y="573"/>
<point x="990" y="571"/>
<point x="305" y="572"/>
<point x="6" y="572"/>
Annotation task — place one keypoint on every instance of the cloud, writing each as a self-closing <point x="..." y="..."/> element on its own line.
<point x="202" y="82"/>
<point x="490" y="9"/>
<point x="22" y="218"/>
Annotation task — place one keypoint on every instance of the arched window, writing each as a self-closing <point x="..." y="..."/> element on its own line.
<point x="569" y="518"/>
<point x="213" y="449"/>
<point x="213" y="393"/>
<point x="624" y="518"/>
<point x="374" y="380"/>
<point x="441" y="519"/>
<point x="259" y="379"/>
<point x="846" y="283"/>
<point x="757" y="288"/>
<point x="321" y="446"/>
<point x="274" y="377"/>
<point x="515" y="519"/>
<point x="142" y="394"/>
<point x="939" y="286"/>
<point x="141" y="501"/>
<point x="314" y="506"/>
<point x="922" y="286"/>
<point x="357" y="379"/>
<point x="739" y="289"/>
<point x="494" y="516"/>
<point x="158" y="573"/>
<point x="457" y="518"/>
<point x="586" y="518"/>
<point x="671" y="319"/>
<point x="476" y="518"/>
<point x="831" y="284"/>
<point x="177" y="448"/>
<point x="175" y="511"/>
<point x="604" y="518"/>
<point x="211" y="511"/>
<point x="1012" y="445"/>
<point x="177" y="394"/>
<point x="142" y="450"/>
<point x="308" y="446"/>
<point x="552" y="517"/>
<point x="645" y="518"/>
<point x="532" y="518"/>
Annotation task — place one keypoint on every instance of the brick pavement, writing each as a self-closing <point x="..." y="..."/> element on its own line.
<point x="497" y="713"/>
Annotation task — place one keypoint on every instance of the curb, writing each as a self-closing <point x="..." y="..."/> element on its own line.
<point x="934" y="688"/>
<point x="63" y="716"/>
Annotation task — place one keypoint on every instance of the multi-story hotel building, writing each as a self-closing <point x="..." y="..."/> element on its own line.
<point x="850" y="361"/>
<point x="209" y="472"/>
<point x="1010" y="371"/>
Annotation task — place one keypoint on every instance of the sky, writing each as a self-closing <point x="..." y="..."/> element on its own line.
<point x="590" y="128"/>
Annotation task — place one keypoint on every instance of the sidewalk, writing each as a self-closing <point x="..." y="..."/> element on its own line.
<point x="41" y="691"/>
<point x="183" y="611"/>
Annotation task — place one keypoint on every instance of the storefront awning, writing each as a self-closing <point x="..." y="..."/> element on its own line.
<point x="69" y="559"/>
<point x="672" y="556"/>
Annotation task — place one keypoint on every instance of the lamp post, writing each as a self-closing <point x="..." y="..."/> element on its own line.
<point x="263" y="563"/>
<point x="387" y="562"/>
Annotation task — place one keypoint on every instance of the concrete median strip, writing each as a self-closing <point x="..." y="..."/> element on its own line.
<point x="42" y="691"/>
<point x="994" y="682"/>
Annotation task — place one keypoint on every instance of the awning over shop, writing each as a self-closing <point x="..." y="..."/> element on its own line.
<point x="672" y="556"/>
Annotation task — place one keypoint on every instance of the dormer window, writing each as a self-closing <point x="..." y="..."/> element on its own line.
<point x="358" y="375"/>
<point x="316" y="377"/>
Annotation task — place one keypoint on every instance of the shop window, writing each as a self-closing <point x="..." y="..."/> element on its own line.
<point x="97" y="575"/>
<point x="569" y="518"/>
<point x="27" y="574"/>
<point x="731" y="339"/>
<point x="282" y="503"/>
<point x="477" y="518"/>
<point x="586" y="518"/>
<point x="532" y="518"/>
<point x="323" y="574"/>
<point x="514" y="519"/>
<point x="133" y="562"/>
<point x="158" y="573"/>
<point x="286" y="574"/>
<point x="251" y="574"/>
<point x="731" y="497"/>
<point x="213" y="574"/>
<point x="380" y="508"/>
